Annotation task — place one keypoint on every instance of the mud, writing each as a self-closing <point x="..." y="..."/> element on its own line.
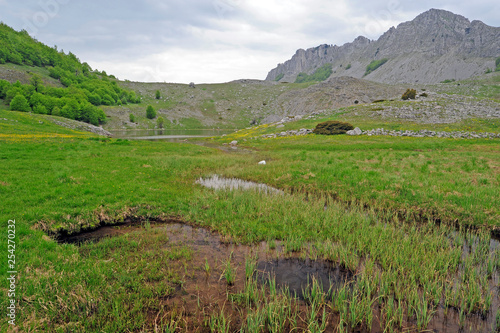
<point x="204" y="291"/>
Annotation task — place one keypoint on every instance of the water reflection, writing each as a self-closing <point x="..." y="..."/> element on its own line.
<point x="173" y="135"/>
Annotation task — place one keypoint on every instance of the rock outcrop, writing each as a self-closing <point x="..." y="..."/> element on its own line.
<point x="435" y="46"/>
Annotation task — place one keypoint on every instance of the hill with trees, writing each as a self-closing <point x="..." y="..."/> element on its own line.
<point x="82" y="90"/>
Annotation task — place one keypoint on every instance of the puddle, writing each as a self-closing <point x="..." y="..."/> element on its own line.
<point x="203" y="292"/>
<point x="95" y="235"/>
<point x="297" y="274"/>
<point x="106" y="231"/>
<point x="220" y="183"/>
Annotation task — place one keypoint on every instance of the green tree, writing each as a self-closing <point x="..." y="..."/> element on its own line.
<point x="94" y="99"/>
<point x="12" y="92"/>
<point x="40" y="108"/>
<point x="37" y="82"/>
<point x="157" y="94"/>
<point x="56" y="111"/>
<point x="132" y="118"/>
<point x="4" y="86"/>
<point x="19" y="103"/>
<point x="160" y="121"/>
<point x="150" y="112"/>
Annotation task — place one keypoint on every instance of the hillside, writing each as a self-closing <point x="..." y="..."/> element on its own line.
<point x="40" y="79"/>
<point x="242" y="103"/>
<point x="437" y="45"/>
<point x="59" y="85"/>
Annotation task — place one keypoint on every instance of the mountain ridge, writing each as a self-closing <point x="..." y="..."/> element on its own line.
<point x="435" y="46"/>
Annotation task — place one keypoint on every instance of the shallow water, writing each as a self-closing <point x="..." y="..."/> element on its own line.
<point x="297" y="274"/>
<point x="208" y="289"/>
<point x="172" y="135"/>
<point x="220" y="183"/>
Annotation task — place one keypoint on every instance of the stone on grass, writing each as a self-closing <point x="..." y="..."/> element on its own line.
<point x="355" y="131"/>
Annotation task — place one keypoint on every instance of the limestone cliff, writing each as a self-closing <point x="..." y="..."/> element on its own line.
<point x="435" y="46"/>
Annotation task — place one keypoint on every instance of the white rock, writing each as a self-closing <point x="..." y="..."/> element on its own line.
<point x="233" y="143"/>
<point x="262" y="162"/>
<point x="355" y="131"/>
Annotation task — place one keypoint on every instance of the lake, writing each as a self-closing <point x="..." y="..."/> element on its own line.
<point x="173" y="135"/>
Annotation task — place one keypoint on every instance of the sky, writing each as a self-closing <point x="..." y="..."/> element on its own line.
<point x="212" y="41"/>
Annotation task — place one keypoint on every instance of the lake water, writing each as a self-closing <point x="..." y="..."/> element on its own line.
<point x="173" y="135"/>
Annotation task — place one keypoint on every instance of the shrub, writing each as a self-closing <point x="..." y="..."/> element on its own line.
<point x="157" y="94"/>
<point x="409" y="94"/>
<point x="348" y="67"/>
<point x="19" y="103"/>
<point x="497" y="63"/>
<point x="374" y="65"/>
<point x="424" y="95"/>
<point x="131" y="118"/>
<point x="332" y="127"/>
<point x="150" y="112"/>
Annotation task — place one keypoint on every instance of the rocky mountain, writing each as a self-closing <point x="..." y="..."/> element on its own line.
<point x="437" y="45"/>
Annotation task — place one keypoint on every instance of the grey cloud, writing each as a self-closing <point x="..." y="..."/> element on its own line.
<point x="141" y="32"/>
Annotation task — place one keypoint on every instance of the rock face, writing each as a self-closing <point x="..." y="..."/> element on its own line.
<point x="435" y="46"/>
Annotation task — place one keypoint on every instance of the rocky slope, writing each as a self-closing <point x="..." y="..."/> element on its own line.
<point x="435" y="46"/>
<point x="336" y="92"/>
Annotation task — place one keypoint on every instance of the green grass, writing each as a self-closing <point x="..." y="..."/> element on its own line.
<point x="378" y="189"/>
<point x="372" y="66"/>
<point x="14" y="123"/>
<point x="320" y="74"/>
<point x="409" y="175"/>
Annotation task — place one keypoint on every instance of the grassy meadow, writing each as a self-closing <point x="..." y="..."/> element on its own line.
<point x="410" y="218"/>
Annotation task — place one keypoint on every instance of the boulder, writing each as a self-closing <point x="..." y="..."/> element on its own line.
<point x="356" y="131"/>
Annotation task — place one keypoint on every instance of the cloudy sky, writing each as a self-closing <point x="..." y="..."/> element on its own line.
<point x="209" y="41"/>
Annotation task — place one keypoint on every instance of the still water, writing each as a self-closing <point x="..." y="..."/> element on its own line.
<point x="174" y="135"/>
